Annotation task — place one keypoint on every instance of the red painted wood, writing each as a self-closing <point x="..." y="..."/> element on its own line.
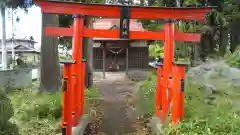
<point x="77" y="55"/>
<point x="99" y="33"/>
<point x="176" y="95"/>
<point x="67" y="100"/>
<point x="134" y="35"/>
<point x="187" y="37"/>
<point x="64" y="98"/>
<point x="181" y="100"/>
<point x="82" y="88"/>
<point x="114" y="11"/>
<point x="158" y="102"/>
<point x="169" y="35"/>
<point x="58" y="31"/>
<point x="168" y="59"/>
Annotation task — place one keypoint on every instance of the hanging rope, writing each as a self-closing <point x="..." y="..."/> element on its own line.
<point x="117" y="52"/>
<point x="115" y="59"/>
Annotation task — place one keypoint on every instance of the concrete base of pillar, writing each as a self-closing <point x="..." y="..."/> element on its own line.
<point x="83" y="122"/>
<point x="156" y="126"/>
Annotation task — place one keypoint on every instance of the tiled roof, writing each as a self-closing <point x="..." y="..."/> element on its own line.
<point x="21" y="48"/>
<point x="108" y="23"/>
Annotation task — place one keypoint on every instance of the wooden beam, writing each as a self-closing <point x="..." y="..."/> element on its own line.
<point x="187" y="37"/>
<point x="126" y="59"/>
<point x="58" y="31"/>
<point x="113" y="11"/>
<point x="104" y="61"/>
<point x="134" y="35"/>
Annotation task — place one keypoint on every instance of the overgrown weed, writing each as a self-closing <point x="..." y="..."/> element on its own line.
<point x="40" y="113"/>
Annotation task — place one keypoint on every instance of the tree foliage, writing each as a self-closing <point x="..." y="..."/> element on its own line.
<point x="50" y="79"/>
<point x="16" y="3"/>
<point x="214" y="31"/>
<point x="232" y="15"/>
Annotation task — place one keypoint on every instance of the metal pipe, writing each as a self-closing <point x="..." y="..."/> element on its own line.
<point x="4" y="50"/>
<point x="13" y="51"/>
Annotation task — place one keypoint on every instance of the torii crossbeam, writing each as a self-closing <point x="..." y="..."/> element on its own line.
<point x="168" y="90"/>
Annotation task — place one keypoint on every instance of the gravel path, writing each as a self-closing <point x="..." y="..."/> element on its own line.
<point x="117" y="99"/>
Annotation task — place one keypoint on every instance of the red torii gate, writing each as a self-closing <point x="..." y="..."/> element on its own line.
<point x="169" y="91"/>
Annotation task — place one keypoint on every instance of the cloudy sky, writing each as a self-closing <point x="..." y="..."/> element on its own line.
<point x="29" y="24"/>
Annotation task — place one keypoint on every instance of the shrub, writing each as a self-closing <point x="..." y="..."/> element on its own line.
<point x="9" y="129"/>
<point x="145" y="98"/>
<point x="234" y="58"/>
<point x="6" y="112"/>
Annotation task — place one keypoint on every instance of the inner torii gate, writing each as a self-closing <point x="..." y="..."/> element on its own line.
<point x="170" y="83"/>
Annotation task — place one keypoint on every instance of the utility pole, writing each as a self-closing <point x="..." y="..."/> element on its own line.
<point x="4" y="51"/>
<point x="13" y="51"/>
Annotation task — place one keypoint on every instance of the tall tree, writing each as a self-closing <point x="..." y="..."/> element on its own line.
<point x="50" y="69"/>
<point x="232" y="15"/>
<point x="150" y="2"/>
<point x="142" y="2"/>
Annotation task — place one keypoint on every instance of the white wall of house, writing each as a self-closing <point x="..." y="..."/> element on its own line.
<point x="139" y="43"/>
<point x="96" y="44"/>
<point x="30" y="56"/>
<point x="16" y="43"/>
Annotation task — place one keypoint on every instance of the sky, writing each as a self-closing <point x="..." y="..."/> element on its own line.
<point x="30" y="24"/>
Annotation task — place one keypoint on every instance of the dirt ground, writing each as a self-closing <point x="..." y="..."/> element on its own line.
<point x="117" y="106"/>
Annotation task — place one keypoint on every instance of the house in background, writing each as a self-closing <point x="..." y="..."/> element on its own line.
<point x="119" y="54"/>
<point x="24" y="49"/>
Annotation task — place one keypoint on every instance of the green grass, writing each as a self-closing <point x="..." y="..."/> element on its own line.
<point x="40" y="113"/>
<point x="234" y="58"/>
<point x="202" y="115"/>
